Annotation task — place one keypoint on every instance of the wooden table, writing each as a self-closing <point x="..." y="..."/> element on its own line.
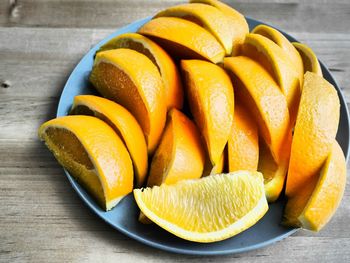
<point x="42" y="219"/>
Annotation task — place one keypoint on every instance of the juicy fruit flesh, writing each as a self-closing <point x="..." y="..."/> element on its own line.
<point x="206" y="209"/>
<point x="71" y="154"/>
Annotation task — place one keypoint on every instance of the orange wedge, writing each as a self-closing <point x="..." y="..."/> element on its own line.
<point x="183" y="39"/>
<point x="316" y="202"/>
<point x="180" y="154"/>
<point x="93" y="154"/>
<point x="132" y="80"/>
<point x="314" y="132"/>
<point x="243" y="142"/>
<point x="260" y="94"/>
<point x="165" y="64"/>
<point x="210" y="169"/>
<point x="211" y="99"/>
<point x="274" y="173"/>
<point x="278" y="64"/>
<point x="237" y="20"/>
<point x="309" y="58"/>
<point x="208" y="17"/>
<point x="277" y="37"/>
<point x="123" y="123"/>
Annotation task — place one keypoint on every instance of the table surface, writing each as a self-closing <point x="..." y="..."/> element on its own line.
<point x="42" y="219"/>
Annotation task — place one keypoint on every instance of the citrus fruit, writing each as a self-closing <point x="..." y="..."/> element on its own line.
<point x="123" y="123"/>
<point x="316" y="202"/>
<point x="132" y="80"/>
<point x="278" y="64"/>
<point x="211" y="100"/>
<point x="309" y="58"/>
<point x="93" y="154"/>
<point x="183" y="39"/>
<point x="243" y="142"/>
<point x="237" y="20"/>
<point x="218" y="168"/>
<point x="274" y="173"/>
<point x="208" y="17"/>
<point x="180" y="154"/>
<point x="277" y="37"/>
<point x="257" y="90"/>
<point x="205" y="210"/>
<point x="314" y="132"/>
<point x="164" y="63"/>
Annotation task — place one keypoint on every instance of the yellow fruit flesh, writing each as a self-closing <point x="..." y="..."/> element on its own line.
<point x="309" y="58"/>
<point x="208" y="209"/>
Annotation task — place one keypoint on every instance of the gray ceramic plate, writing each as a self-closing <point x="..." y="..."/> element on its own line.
<point x="124" y="216"/>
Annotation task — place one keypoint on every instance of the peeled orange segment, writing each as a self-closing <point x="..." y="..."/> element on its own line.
<point x="123" y="123"/>
<point x="164" y="63"/>
<point x="183" y="39"/>
<point x="274" y="174"/>
<point x="278" y="64"/>
<point x="180" y="154"/>
<point x="93" y="154"/>
<point x="208" y="17"/>
<point x="132" y="80"/>
<point x="237" y="20"/>
<point x="277" y="37"/>
<point x="315" y="204"/>
<point x="314" y="132"/>
<point x="206" y="210"/>
<point x="211" y="99"/>
<point x="309" y="58"/>
<point x="257" y="90"/>
<point x="243" y="142"/>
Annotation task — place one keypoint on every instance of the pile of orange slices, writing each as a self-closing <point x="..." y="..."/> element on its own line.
<point x="212" y="119"/>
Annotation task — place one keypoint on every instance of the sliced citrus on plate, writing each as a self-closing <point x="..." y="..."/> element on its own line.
<point x="180" y="154"/>
<point x="243" y="142"/>
<point x="183" y="39"/>
<point x="205" y="210"/>
<point x="316" y="202"/>
<point x="278" y="64"/>
<point x="164" y="63"/>
<point x="93" y="154"/>
<point x="277" y="37"/>
<point x="314" y="132"/>
<point x="132" y="80"/>
<point x="237" y="21"/>
<point x="309" y="58"/>
<point x="211" y="99"/>
<point x="123" y="123"/>
<point x="257" y="90"/>
<point x="209" y="17"/>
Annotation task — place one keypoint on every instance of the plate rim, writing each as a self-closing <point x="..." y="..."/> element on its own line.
<point x="150" y="242"/>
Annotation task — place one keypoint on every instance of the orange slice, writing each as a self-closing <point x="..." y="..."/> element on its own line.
<point x="314" y="132"/>
<point x="278" y="64"/>
<point x="243" y="142"/>
<point x="316" y="202"/>
<point x="184" y="39"/>
<point x="180" y="154"/>
<point x="237" y="20"/>
<point x="123" y="123"/>
<point x="277" y="37"/>
<point x="309" y="58"/>
<point x="208" y="17"/>
<point x="132" y="80"/>
<point x="260" y="94"/>
<point x="164" y="63"/>
<point x="210" y="169"/>
<point x="274" y="173"/>
<point x="93" y="154"/>
<point x="211" y="99"/>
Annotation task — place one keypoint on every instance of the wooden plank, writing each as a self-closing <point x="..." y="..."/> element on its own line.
<point x="45" y="57"/>
<point x="289" y="15"/>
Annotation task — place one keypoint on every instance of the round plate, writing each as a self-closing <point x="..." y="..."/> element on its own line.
<point x="124" y="216"/>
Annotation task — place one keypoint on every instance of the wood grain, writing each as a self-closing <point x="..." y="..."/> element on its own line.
<point x="41" y="41"/>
